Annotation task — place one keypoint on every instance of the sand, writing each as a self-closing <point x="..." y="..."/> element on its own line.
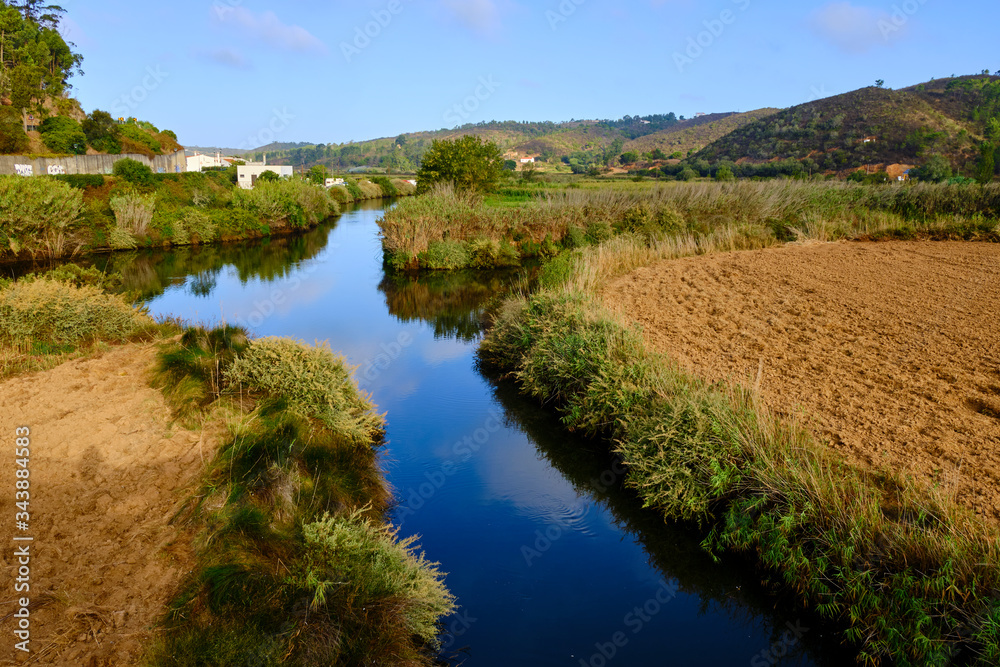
<point x="107" y="472"/>
<point x="888" y="351"/>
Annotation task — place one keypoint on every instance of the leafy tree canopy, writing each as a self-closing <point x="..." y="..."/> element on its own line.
<point x="468" y="162"/>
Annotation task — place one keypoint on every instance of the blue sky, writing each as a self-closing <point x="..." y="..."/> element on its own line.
<point x="239" y="73"/>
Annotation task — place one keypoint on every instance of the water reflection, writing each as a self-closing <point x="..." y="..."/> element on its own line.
<point x="452" y="302"/>
<point x="728" y="587"/>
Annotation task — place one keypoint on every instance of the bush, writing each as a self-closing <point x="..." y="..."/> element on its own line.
<point x="133" y="171"/>
<point x="63" y="135"/>
<point x="36" y="214"/>
<point x="12" y="136"/>
<point x="135" y="138"/>
<point x="378" y="568"/>
<point x="81" y="181"/>
<point x="59" y="313"/>
<point x="102" y="132"/>
<point x="446" y="255"/>
<point x="316" y="382"/>
<point x="286" y="201"/>
<point x="134" y="211"/>
<point x="388" y="188"/>
<point x="199" y="226"/>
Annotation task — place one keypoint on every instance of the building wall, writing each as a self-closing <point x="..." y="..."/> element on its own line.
<point x="246" y="175"/>
<point x="87" y="164"/>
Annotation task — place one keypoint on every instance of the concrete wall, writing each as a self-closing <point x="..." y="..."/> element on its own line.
<point x="87" y="164"/>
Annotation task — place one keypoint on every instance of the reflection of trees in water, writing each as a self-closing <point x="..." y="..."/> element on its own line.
<point x="453" y="302"/>
<point x="730" y="586"/>
<point x="148" y="273"/>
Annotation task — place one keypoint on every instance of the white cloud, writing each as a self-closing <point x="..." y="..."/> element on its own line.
<point x="854" y="29"/>
<point x="483" y="16"/>
<point x="268" y="28"/>
<point x="228" y="57"/>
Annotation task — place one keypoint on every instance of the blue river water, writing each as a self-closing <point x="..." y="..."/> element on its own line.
<point x="553" y="562"/>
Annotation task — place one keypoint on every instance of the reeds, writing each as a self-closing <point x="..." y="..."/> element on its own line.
<point x="672" y="215"/>
<point x="914" y="578"/>
<point x="296" y="564"/>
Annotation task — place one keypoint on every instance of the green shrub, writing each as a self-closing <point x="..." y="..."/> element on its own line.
<point x="316" y="382"/>
<point x="599" y="231"/>
<point x="36" y="215"/>
<point x="200" y="226"/>
<point x="133" y="171"/>
<point x="13" y="139"/>
<point x="140" y="137"/>
<point x="102" y="132"/>
<point x="287" y="201"/>
<point x="134" y="211"/>
<point x="377" y="567"/>
<point x="63" y="135"/>
<point x="120" y="239"/>
<point x="353" y="190"/>
<point x="388" y="188"/>
<point x="57" y="312"/>
<point x="340" y="194"/>
<point x="445" y="255"/>
<point x="81" y="181"/>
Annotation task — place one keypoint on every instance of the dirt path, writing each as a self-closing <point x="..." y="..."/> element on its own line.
<point x="106" y="469"/>
<point x="890" y="351"/>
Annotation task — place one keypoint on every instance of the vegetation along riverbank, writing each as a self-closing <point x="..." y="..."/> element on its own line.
<point x="61" y="216"/>
<point x="278" y="550"/>
<point x="447" y="229"/>
<point x="912" y="574"/>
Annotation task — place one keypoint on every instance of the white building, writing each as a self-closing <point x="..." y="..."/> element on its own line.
<point x="330" y="182"/>
<point x="197" y="162"/>
<point x="247" y="174"/>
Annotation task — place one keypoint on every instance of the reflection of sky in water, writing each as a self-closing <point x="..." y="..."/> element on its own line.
<point x="540" y="598"/>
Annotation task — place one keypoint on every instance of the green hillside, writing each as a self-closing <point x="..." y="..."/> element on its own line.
<point x="695" y="133"/>
<point x="950" y="117"/>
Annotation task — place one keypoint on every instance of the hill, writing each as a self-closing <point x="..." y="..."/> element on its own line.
<point x="872" y="125"/>
<point x="695" y="133"/>
<point x="36" y="113"/>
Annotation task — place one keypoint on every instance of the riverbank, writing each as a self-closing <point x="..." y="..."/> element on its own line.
<point x="264" y="526"/>
<point x="66" y="216"/>
<point x="445" y="230"/>
<point x="894" y="375"/>
<point x="912" y="576"/>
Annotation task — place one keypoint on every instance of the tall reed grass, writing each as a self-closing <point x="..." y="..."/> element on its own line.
<point x="416" y="231"/>
<point x="296" y="564"/>
<point x="38" y="216"/>
<point x="914" y="578"/>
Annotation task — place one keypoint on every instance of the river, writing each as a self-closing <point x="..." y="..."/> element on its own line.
<point x="552" y="561"/>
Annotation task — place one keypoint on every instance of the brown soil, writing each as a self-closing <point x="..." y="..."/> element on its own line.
<point x="107" y="472"/>
<point x="889" y="351"/>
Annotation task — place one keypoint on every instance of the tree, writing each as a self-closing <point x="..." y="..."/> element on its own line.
<point x="317" y="174"/>
<point x="133" y="171"/>
<point x="986" y="165"/>
<point x="510" y="165"/>
<point x="879" y="83"/>
<point x="401" y="140"/>
<point x="724" y="174"/>
<point x="63" y="135"/>
<point x="268" y="177"/>
<point x="936" y="169"/>
<point x="102" y="132"/>
<point x="13" y="140"/>
<point x="629" y="158"/>
<point x="469" y="162"/>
